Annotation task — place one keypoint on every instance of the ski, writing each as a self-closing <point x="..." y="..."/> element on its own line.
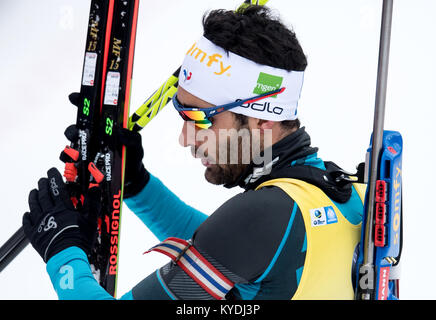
<point x="77" y="156"/>
<point x="93" y="155"/>
<point x="110" y="158"/>
<point x="159" y="99"/>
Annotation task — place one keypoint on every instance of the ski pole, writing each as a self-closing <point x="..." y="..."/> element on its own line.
<point x="367" y="268"/>
<point x="12" y="248"/>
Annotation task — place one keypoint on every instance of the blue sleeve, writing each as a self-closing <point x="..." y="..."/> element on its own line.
<point x="71" y="276"/>
<point x="163" y="212"/>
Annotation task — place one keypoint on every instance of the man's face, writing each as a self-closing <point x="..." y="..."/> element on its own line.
<point x="224" y="148"/>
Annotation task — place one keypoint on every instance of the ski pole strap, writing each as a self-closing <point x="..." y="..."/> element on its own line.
<point x="196" y="266"/>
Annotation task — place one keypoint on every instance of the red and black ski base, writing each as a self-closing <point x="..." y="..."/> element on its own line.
<point x="110" y="156"/>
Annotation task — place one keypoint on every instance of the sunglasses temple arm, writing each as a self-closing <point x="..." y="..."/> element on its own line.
<point x="274" y="93"/>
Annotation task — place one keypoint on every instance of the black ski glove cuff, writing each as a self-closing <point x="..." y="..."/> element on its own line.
<point x="65" y="240"/>
<point x="135" y="176"/>
<point x="134" y="186"/>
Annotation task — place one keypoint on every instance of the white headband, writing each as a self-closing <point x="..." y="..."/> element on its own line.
<point x="215" y="76"/>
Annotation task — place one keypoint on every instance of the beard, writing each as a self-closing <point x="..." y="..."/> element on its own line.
<point x="237" y="157"/>
<point x="227" y="153"/>
<point x="220" y="174"/>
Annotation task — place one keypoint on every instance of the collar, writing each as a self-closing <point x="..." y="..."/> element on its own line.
<point x="292" y="147"/>
<point x="289" y="161"/>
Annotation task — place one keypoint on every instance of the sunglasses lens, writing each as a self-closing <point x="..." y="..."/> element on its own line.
<point x="184" y="117"/>
<point x="199" y="117"/>
<point x="203" y="124"/>
<point x="194" y="115"/>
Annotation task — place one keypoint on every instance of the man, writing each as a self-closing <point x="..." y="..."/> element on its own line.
<point x="290" y="235"/>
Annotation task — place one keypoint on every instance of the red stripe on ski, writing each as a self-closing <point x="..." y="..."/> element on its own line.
<point x="130" y="64"/>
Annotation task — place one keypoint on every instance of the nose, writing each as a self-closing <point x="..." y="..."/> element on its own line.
<point x="187" y="135"/>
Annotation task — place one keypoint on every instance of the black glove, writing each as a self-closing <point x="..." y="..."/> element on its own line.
<point x="135" y="176"/>
<point x="53" y="224"/>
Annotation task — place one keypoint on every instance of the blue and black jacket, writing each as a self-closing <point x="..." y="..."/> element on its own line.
<point x="257" y="239"/>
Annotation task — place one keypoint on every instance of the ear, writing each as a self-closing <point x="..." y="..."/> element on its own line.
<point x="266" y="124"/>
<point x="260" y="124"/>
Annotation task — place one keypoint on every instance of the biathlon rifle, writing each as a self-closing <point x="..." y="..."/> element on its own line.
<point x="377" y="275"/>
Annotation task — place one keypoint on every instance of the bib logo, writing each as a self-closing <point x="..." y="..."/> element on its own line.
<point x="201" y="55"/>
<point x="266" y="83"/>
<point x="323" y="216"/>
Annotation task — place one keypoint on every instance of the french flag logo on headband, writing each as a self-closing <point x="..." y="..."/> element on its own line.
<point x="187" y="75"/>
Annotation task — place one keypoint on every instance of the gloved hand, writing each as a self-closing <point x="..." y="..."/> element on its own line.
<point x="53" y="224"/>
<point x="135" y="177"/>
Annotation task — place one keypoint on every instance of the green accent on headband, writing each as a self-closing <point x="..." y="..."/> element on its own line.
<point x="266" y="83"/>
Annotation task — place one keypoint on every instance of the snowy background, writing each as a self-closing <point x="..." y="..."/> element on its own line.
<point x="41" y="58"/>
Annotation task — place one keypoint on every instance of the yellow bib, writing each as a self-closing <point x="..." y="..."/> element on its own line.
<point x="331" y="241"/>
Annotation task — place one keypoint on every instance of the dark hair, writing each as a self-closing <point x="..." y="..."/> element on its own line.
<point x="254" y="33"/>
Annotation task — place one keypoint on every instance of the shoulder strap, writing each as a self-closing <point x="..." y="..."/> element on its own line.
<point x="196" y="266"/>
